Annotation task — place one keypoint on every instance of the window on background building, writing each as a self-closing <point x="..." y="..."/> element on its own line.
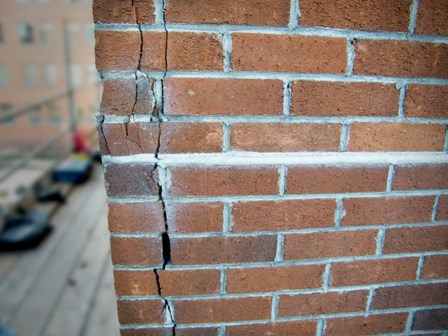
<point x="6" y="109"/>
<point x="92" y="74"/>
<point x="2" y="37"/>
<point x="4" y="75"/>
<point x="79" y="114"/>
<point x="30" y="74"/>
<point x="75" y="71"/>
<point x="26" y="33"/>
<point x="50" y="73"/>
<point x="73" y="32"/>
<point x="45" y="33"/>
<point x="35" y="116"/>
<point x="89" y="32"/>
<point x="54" y="114"/>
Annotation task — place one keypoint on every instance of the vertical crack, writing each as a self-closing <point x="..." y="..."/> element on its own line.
<point x="158" y="181"/>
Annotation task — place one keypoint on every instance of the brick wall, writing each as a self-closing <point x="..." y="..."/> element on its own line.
<point x="276" y="167"/>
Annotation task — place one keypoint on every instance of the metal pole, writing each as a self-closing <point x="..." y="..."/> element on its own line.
<point x="68" y="78"/>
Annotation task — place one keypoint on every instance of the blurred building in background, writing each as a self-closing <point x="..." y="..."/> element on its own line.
<point x="47" y="73"/>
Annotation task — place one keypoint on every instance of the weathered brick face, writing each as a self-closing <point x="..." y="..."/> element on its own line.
<point x="276" y="167"/>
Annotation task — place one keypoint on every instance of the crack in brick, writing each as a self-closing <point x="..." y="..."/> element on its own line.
<point x="103" y="140"/>
<point x="159" y="118"/>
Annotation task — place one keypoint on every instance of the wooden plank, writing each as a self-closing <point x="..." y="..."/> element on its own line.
<point x="32" y="315"/>
<point x="103" y="319"/>
<point x="15" y="286"/>
<point x="7" y="262"/>
<point x="71" y="311"/>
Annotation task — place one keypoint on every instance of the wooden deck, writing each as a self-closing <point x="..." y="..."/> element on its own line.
<point x="65" y="286"/>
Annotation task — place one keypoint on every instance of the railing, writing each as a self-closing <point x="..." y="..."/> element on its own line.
<point x="23" y="160"/>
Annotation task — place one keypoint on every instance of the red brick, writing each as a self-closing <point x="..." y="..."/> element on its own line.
<point x="130" y="180"/>
<point x="435" y="267"/>
<point x="389" y="137"/>
<point x="119" y="11"/>
<point x="432" y="17"/>
<point x="418" y="239"/>
<point x="172" y="282"/>
<point x="282" y="137"/>
<point x="141" y="311"/>
<point x="431" y="319"/>
<point x="119" y="96"/>
<point x="247" y="280"/>
<point x="213" y="181"/>
<point x="410" y="296"/>
<point x="169" y="332"/>
<point x="335" y="179"/>
<point x="191" y="138"/>
<point x="387" y="210"/>
<point x="136" y="251"/>
<point x="117" y="50"/>
<point x="371" y="325"/>
<point x="288" y="53"/>
<point x="243" y="12"/>
<point x="223" y="250"/>
<point x="194" y="217"/>
<point x="197" y="96"/>
<point x="427" y="101"/>
<point x="222" y="310"/>
<point x="442" y="209"/>
<point x="194" y="51"/>
<point x="356" y="14"/>
<point x="312" y="98"/>
<point x="136" y="217"/>
<point x="413" y="177"/>
<point x="322" y="303"/>
<point x="401" y="58"/>
<point x="373" y="271"/>
<point x="329" y="244"/>
<point x="130" y="138"/>
<point x="153" y="51"/>
<point x="307" y="328"/>
<point x="283" y="215"/>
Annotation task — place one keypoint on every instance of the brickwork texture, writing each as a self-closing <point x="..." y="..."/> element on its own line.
<point x="276" y="167"/>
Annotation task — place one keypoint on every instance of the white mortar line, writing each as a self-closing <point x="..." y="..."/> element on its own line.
<point x="292" y="76"/>
<point x="274" y="307"/>
<point x="227" y="218"/>
<point x="421" y="264"/>
<point x="413" y="16"/>
<point x="435" y="208"/>
<point x="272" y="159"/>
<point x="113" y="119"/>
<point x="370" y="299"/>
<point x="223" y="281"/>
<point x="380" y="242"/>
<point x="402" y="100"/>
<point x="350" y="57"/>
<point x="409" y="321"/>
<point x="339" y="212"/>
<point x="225" y="137"/>
<point x="282" y="180"/>
<point x="390" y="178"/>
<point x="280" y="247"/>
<point x="320" y="329"/>
<point x="294" y="14"/>
<point x="227" y="45"/>
<point x="287" y="95"/>
<point x="345" y="137"/>
<point x="445" y="148"/>
<point x="326" y="277"/>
